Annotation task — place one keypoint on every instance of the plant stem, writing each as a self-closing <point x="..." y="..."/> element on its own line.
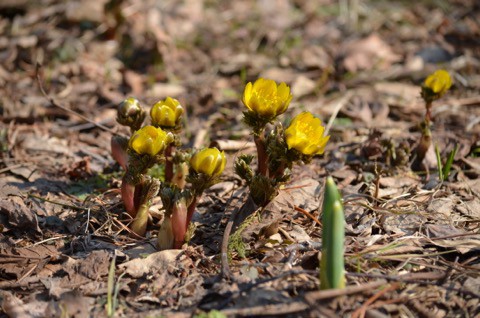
<point x="128" y="194"/>
<point x="191" y="208"/>
<point x="180" y="175"/>
<point x="119" y="150"/>
<point x="428" y="113"/>
<point x="139" y="225"/>
<point x="261" y="154"/>
<point x="422" y="148"/>
<point x="179" y="223"/>
<point x="169" y="162"/>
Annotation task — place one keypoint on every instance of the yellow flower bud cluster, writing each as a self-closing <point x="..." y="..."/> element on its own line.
<point x="159" y="144"/>
<point x="153" y="139"/>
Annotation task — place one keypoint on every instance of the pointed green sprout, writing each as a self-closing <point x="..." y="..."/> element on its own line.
<point x="332" y="267"/>
<point x="444" y="171"/>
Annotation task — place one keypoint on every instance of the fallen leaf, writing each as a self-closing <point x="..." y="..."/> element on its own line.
<point x="303" y="86"/>
<point x="19" y="216"/>
<point x="153" y="263"/>
<point x="368" y="53"/>
<point x="160" y="90"/>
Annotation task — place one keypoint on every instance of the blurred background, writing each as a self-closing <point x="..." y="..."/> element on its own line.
<point x="95" y="53"/>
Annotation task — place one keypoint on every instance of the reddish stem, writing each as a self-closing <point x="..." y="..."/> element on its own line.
<point x="191" y="209"/>
<point x="119" y="153"/>
<point x="428" y="113"/>
<point x="128" y="194"/>
<point x="179" y="223"/>
<point x="261" y="154"/>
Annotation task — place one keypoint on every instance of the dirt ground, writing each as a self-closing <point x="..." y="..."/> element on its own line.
<point x="412" y="241"/>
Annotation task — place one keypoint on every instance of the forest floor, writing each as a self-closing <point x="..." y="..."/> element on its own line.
<point x="412" y="241"/>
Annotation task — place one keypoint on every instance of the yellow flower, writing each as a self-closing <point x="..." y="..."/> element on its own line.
<point x="149" y="140"/>
<point x="209" y="161"/>
<point x="267" y="99"/>
<point x="166" y="113"/>
<point x="437" y="83"/>
<point x="305" y="134"/>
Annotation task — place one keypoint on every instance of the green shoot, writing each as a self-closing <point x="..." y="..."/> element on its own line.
<point x="439" y="163"/>
<point x="332" y="266"/>
<point x="110" y="283"/>
<point x="444" y="171"/>
<point x="448" y="164"/>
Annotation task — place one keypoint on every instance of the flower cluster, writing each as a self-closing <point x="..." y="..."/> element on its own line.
<point x="278" y="149"/>
<point x="186" y="176"/>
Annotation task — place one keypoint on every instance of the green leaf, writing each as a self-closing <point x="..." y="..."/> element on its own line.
<point x="448" y="164"/>
<point x="439" y="163"/>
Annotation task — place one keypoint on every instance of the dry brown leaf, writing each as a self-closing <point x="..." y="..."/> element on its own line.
<point x="406" y="224"/>
<point x="303" y="86"/>
<point x="161" y="90"/>
<point x="368" y="53"/>
<point x="442" y="208"/>
<point x="470" y="208"/>
<point x="19" y="216"/>
<point x="153" y="263"/>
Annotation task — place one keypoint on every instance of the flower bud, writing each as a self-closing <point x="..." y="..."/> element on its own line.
<point x="166" y="113"/>
<point x="305" y="134"/>
<point x="130" y="113"/>
<point x="209" y="161"/>
<point x="149" y="140"/>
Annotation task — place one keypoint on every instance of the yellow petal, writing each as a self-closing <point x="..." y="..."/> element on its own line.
<point x="247" y="94"/>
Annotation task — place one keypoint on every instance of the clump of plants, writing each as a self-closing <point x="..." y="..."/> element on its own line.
<point x="187" y="173"/>
<point x="433" y="88"/>
<point x="278" y="148"/>
<point x="390" y="154"/>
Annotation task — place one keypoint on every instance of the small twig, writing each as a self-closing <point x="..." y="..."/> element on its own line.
<point x="18" y="165"/>
<point x="47" y="240"/>
<point x="360" y="312"/>
<point x="74" y="207"/>
<point x="338" y="105"/>
<point x="267" y="310"/>
<point x="126" y="228"/>
<point x="88" y="221"/>
<point x="308" y="214"/>
<point x="296" y="187"/>
<point x="29" y="272"/>
<point x="313" y="297"/>
<point x="304" y="246"/>
<point x="420" y="278"/>
<point x="68" y="110"/>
